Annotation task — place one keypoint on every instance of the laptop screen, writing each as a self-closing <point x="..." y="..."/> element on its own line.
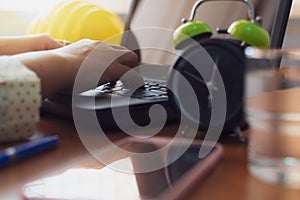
<point x="152" y="22"/>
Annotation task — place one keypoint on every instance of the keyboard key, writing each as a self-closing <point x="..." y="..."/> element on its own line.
<point x="152" y="90"/>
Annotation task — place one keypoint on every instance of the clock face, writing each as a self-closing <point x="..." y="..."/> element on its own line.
<point x="227" y="59"/>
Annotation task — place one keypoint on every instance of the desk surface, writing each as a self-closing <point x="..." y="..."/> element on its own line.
<point x="229" y="180"/>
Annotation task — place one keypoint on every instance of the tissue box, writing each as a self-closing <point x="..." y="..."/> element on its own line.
<point x="20" y="100"/>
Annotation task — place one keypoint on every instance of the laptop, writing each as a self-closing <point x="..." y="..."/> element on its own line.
<point x="166" y="15"/>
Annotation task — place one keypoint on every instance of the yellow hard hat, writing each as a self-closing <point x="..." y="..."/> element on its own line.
<point x="78" y="19"/>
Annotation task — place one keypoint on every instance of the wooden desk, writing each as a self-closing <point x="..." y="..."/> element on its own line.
<point x="229" y="180"/>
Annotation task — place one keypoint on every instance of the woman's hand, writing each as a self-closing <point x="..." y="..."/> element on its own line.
<point x="21" y="44"/>
<point x="95" y="60"/>
<point x="99" y="61"/>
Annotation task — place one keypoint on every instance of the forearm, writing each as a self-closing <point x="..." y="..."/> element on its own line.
<point x="50" y="67"/>
<point x="28" y="43"/>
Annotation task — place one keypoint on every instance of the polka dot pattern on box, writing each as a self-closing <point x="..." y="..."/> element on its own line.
<point x="20" y="100"/>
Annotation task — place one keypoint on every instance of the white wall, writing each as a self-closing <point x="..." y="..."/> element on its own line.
<point x="292" y="37"/>
<point x="15" y="22"/>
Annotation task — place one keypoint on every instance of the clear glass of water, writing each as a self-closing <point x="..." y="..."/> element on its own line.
<point x="273" y="112"/>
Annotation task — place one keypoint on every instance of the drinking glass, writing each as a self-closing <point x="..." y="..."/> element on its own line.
<point x="273" y="112"/>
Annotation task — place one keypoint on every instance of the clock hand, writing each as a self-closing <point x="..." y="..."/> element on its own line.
<point x="195" y="77"/>
<point x="210" y="84"/>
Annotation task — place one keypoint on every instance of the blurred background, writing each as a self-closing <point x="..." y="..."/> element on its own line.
<point x="16" y="15"/>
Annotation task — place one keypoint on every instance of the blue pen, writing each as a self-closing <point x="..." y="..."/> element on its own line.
<point x="29" y="149"/>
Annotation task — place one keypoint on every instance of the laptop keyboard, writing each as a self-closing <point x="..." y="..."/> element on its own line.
<point x="153" y="90"/>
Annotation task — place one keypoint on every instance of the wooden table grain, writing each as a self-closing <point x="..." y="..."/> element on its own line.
<point x="229" y="180"/>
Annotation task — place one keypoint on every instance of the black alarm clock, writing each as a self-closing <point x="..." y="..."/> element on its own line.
<point x="227" y="60"/>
